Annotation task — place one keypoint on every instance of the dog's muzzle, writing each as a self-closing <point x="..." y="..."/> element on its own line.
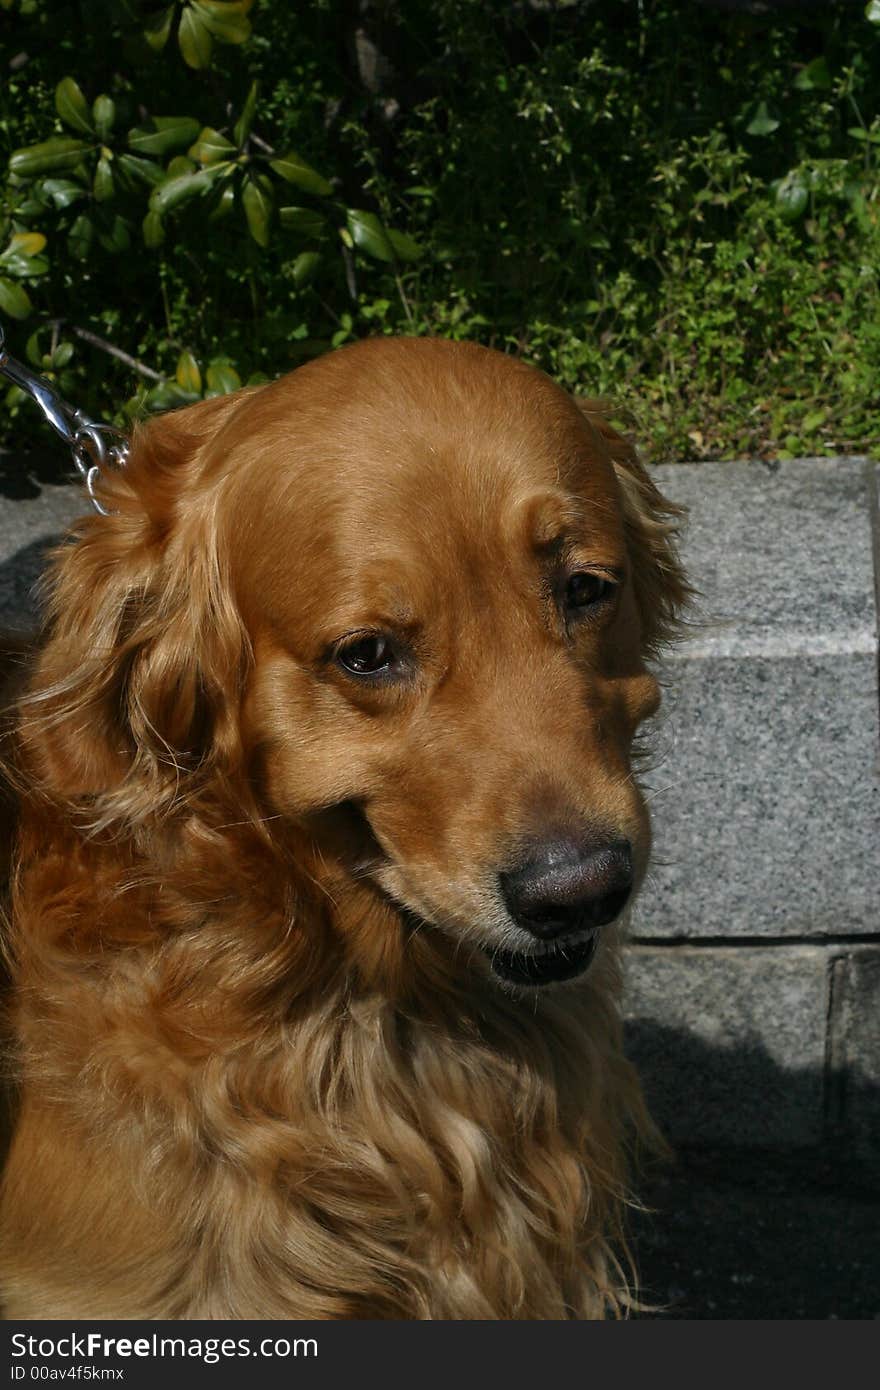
<point x="562" y="895"/>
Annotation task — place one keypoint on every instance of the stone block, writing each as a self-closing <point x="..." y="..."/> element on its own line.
<point x="730" y="1041"/>
<point x="783" y="556"/>
<point x="765" y="793"/>
<point x="766" y="806"/>
<point x="29" y="524"/>
<point x="855" y="1051"/>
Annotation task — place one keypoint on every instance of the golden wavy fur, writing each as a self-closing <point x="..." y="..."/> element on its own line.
<point x="266" y="1066"/>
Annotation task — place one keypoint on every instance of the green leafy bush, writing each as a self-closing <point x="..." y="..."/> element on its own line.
<point x="142" y="201"/>
<point x="666" y="202"/>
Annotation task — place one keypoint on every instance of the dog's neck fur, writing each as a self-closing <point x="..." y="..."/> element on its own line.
<point x="264" y="1103"/>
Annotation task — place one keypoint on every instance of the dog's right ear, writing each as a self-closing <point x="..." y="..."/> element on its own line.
<point x="652" y="530"/>
<point x="135" y="697"/>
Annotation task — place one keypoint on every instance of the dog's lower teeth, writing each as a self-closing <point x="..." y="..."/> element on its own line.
<point x="547" y="961"/>
<point x="547" y="948"/>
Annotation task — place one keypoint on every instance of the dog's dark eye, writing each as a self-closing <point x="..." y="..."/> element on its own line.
<point x="586" y="590"/>
<point x="366" y="656"/>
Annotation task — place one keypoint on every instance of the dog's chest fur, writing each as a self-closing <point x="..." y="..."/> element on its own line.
<point x="333" y="1155"/>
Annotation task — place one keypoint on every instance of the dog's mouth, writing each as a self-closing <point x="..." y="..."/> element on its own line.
<point x="544" y="963"/>
<point x="548" y="962"/>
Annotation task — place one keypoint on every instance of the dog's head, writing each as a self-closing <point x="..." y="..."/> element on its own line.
<point x="405" y="596"/>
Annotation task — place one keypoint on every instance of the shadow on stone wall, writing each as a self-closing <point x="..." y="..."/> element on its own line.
<point x="724" y="1095"/>
<point x="25" y="475"/>
<point x="740" y="1230"/>
<point x="18" y="576"/>
<point x="738" y="1095"/>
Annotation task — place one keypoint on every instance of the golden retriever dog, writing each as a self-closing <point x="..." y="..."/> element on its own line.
<point x="327" y="825"/>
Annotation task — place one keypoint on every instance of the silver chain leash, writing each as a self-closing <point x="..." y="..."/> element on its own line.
<point x="93" y="446"/>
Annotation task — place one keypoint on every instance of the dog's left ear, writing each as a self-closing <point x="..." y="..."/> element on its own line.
<point x="652" y="529"/>
<point x="134" y="702"/>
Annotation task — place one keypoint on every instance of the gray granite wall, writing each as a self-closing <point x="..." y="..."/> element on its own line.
<point x="754" y="976"/>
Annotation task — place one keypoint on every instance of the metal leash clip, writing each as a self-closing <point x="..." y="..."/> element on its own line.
<point x="93" y="446"/>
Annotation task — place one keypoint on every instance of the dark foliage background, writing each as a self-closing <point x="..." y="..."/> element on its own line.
<point x="674" y="203"/>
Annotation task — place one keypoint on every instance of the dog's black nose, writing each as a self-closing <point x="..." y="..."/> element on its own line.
<point x="567" y="887"/>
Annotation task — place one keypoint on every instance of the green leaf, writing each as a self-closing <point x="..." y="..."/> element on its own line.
<point x="813" y="420"/>
<point x="104" y="114"/>
<point x="295" y="170"/>
<point x="211" y="146"/>
<point x="226" y="19"/>
<point x="133" y="409"/>
<point x="872" y="12"/>
<point x="14" y="300"/>
<point x="245" y="120"/>
<point x="188" y="375"/>
<point x="871" y="137"/>
<point x="49" y="157"/>
<point x="178" y="190"/>
<point x="62" y="192"/>
<point x="33" y="203"/>
<point x="23" y="267"/>
<point x="762" y="122"/>
<point x="305" y="268"/>
<point x="791" y="198"/>
<point x="405" y="247"/>
<point x="231" y="9"/>
<point x="102" y="186"/>
<point x="115" y="237"/>
<point x="222" y="379"/>
<point x="369" y="235"/>
<point x="163" y="134"/>
<point x="80" y="237"/>
<point x="158" y="27"/>
<point x="180" y="164"/>
<point x="153" y="230"/>
<point x="194" y="38"/>
<point x="33" y="351"/>
<point x="257" y="201"/>
<point x="814" y="77"/>
<point x="305" y="221"/>
<point x="137" y="172"/>
<point x="224" y="203"/>
<point x="61" y="356"/>
<point x="72" y="107"/>
<point x="168" y="396"/>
